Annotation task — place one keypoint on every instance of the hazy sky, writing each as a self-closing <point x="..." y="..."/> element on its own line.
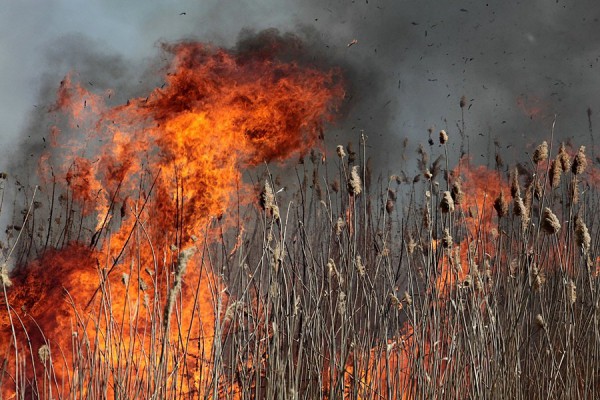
<point x="412" y="62"/>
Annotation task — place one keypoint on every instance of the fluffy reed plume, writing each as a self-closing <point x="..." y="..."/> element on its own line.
<point x="538" y="189"/>
<point x="331" y="269"/>
<point x="339" y="226"/>
<point x="467" y="282"/>
<point x="335" y="186"/>
<point x="341" y="303"/>
<point x="423" y="161"/>
<point x="555" y="173"/>
<point x="541" y="152"/>
<point x="478" y="281"/>
<point x="389" y="206"/>
<point x="571" y="292"/>
<point x="539" y="321"/>
<point x="457" y="194"/>
<point x="446" y="239"/>
<point x="564" y="158"/>
<point x="500" y="205"/>
<point x="456" y="262"/>
<point x="579" y="162"/>
<point x="550" y="222"/>
<point x="447" y="203"/>
<point x="443" y="137"/>
<point x="4" y="277"/>
<point x="391" y="195"/>
<point x="267" y="197"/>
<point x="354" y="183"/>
<point x="427" y="174"/>
<point x="408" y="298"/>
<point x="44" y="353"/>
<point x="528" y="200"/>
<point x="536" y="278"/>
<point x="426" y="217"/>
<point x="574" y="191"/>
<point x="232" y="309"/>
<point x="514" y="182"/>
<point x="278" y="256"/>
<point x="395" y="300"/>
<point x="351" y="152"/>
<point x="519" y="207"/>
<point x="182" y="262"/>
<point x="360" y="267"/>
<point x="582" y="235"/>
<point x="411" y="245"/>
<point x="340" y="151"/>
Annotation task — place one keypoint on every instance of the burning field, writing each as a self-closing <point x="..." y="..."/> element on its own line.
<point x="162" y="257"/>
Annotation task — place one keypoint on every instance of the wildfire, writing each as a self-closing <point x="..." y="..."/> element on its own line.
<point x="150" y="175"/>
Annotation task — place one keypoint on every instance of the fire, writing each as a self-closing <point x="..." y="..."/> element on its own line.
<point x="150" y="177"/>
<point x="534" y="108"/>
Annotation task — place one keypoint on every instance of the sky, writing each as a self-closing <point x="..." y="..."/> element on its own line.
<point x="518" y="63"/>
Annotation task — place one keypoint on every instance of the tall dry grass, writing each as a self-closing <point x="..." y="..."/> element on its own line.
<point x="349" y="287"/>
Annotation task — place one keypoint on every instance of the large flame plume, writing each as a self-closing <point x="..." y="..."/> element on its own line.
<point x="130" y="188"/>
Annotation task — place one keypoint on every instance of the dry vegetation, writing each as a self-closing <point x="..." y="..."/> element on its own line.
<point x="351" y="288"/>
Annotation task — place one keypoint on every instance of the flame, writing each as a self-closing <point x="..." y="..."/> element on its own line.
<point x="534" y="107"/>
<point x="152" y="174"/>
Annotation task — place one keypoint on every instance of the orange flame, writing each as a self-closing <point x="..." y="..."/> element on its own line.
<point x="169" y="162"/>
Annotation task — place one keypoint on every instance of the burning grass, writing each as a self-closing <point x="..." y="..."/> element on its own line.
<point x="148" y="272"/>
<point x="335" y="295"/>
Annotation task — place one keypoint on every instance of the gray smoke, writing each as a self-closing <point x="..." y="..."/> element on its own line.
<point x="410" y="63"/>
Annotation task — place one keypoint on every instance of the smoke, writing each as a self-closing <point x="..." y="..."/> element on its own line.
<point x="407" y="63"/>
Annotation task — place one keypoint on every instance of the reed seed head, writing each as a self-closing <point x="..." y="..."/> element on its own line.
<point x="536" y="278"/>
<point x="555" y="173"/>
<point x="582" y="235"/>
<point x="426" y="217"/>
<point x="360" y="267"/>
<point x="564" y="158"/>
<point x="427" y="174"/>
<point x="341" y="303"/>
<point x="411" y="245"/>
<point x="389" y="206"/>
<point x="447" y="203"/>
<point x="514" y="182"/>
<point x="335" y="186"/>
<point x="571" y="292"/>
<point x="44" y="353"/>
<point x="457" y="193"/>
<point x="550" y="223"/>
<point x="500" y="205"/>
<point x="579" y="162"/>
<point x="447" y="239"/>
<point x="408" y="298"/>
<point x="340" y="151"/>
<point x="540" y="322"/>
<point x="339" y="226"/>
<point x="443" y="137"/>
<point x="4" y="276"/>
<point x="574" y="191"/>
<point x="354" y="183"/>
<point x="519" y="207"/>
<point x="267" y="197"/>
<point x="541" y="152"/>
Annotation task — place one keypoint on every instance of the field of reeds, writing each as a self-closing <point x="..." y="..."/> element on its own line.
<point x="459" y="281"/>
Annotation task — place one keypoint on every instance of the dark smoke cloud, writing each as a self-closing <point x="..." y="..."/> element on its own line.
<point x="412" y="62"/>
